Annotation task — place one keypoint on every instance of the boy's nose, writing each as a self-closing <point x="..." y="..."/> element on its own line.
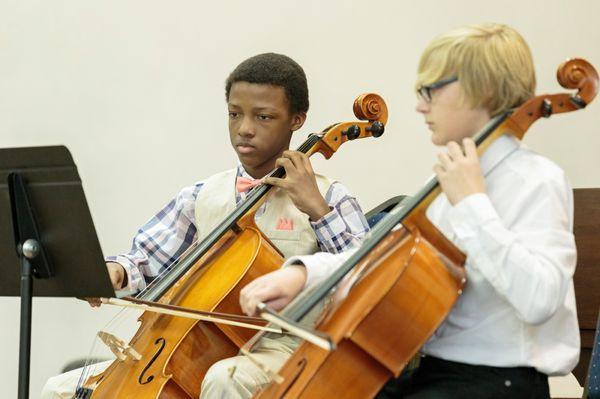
<point x="422" y="106"/>
<point x="246" y="128"/>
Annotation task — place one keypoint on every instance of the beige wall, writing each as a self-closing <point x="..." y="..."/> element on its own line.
<point x="135" y="90"/>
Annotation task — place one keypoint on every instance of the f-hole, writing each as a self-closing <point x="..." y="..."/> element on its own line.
<point x="162" y="343"/>
<point x="299" y="369"/>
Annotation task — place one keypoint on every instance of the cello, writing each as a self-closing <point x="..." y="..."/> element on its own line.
<point x="168" y="356"/>
<point x="393" y="293"/>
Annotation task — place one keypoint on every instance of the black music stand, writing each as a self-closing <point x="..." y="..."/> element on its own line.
<point x="46" y="232"/>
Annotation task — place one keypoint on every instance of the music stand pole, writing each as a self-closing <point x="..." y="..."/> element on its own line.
<point x="29" y="251"/>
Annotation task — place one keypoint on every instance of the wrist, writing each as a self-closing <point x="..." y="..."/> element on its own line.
<point x="117" y="269"/>
<point x="300" y="272"/>
<point x="459" y="198"/>
<point x="320" y="209"/>
<point x="125" y="279"/>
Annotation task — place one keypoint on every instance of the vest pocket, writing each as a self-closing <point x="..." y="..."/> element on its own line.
<point x="292" y="242"/>
<point x="283" y="235"/>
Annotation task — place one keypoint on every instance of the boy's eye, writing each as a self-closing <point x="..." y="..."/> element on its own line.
<point x="233" y="115"/>
<point x="264" y="117"/>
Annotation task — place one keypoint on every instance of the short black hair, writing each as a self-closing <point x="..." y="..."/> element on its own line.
<point x="277" y="70"/>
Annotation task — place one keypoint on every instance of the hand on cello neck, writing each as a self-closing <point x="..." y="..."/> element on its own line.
<point x="300" y="184"/>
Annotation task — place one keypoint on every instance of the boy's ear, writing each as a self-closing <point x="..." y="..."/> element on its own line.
<point x="298" y="120"/>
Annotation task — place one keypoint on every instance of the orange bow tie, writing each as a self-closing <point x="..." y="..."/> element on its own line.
<point x="243" y="184"/>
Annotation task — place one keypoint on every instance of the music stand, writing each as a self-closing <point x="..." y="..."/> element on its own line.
<point x="46" y="232"/>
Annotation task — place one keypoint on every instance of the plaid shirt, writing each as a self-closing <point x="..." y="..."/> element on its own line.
<point x="163" y="239"/>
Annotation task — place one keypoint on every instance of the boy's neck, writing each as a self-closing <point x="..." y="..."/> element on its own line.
<point x="260" y="172"/>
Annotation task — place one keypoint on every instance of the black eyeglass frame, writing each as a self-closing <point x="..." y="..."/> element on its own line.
<point x="424" y="91"/>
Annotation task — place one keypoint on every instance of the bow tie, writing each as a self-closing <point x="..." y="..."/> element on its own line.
<point x="243" y="184"/>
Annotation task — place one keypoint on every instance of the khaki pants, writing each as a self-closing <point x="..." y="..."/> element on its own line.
<point x="239" y="377"/>
<point x="63" y="386"/>
<point x="272" y="351"/>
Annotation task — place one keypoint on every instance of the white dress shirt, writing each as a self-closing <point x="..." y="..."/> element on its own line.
<point x="518" y="305"/>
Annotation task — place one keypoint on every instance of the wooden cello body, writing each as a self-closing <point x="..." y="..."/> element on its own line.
<point x="399" y="286"/>
<point x="396" y="295"/>
<point x="175" y="352"/>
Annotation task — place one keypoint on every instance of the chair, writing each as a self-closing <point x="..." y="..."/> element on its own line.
<point x="592" y="385"/>
<point x="379" y="212"/>
<point x="587" y="274"/>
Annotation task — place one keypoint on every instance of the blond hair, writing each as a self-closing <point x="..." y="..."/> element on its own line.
<point x="492" y="62"/>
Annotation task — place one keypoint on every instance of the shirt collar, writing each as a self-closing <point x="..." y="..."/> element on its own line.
<point x="241" y="172"/>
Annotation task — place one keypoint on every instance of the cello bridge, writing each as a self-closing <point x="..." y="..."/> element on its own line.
<point x="117" y="346"/>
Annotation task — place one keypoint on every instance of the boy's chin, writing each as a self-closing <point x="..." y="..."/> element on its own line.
<point x="247" y="160"/>
<point x="249" y="164"/>
<point x="437" y="140"/>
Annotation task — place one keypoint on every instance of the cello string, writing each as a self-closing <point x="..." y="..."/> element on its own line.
<point x="90" y="367"/>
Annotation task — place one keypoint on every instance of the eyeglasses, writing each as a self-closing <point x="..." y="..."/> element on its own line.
<point x="424" y="91"/>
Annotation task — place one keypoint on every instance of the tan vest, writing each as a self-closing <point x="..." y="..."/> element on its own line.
<point x="216" y="200"/>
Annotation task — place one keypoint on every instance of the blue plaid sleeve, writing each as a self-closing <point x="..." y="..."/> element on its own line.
<point x="344" y="226"/>
<point x="161" y="240"/>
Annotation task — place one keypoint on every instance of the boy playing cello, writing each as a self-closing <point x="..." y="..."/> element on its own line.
<point x="510" y="211"/>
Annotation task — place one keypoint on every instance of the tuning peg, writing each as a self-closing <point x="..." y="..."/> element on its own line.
<point x="377" y="128"/>
<point x="352" y="133"/>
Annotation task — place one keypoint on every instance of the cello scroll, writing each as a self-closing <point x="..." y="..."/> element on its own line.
<point x="368" y="107"/>
<point x="575" y="73"/>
